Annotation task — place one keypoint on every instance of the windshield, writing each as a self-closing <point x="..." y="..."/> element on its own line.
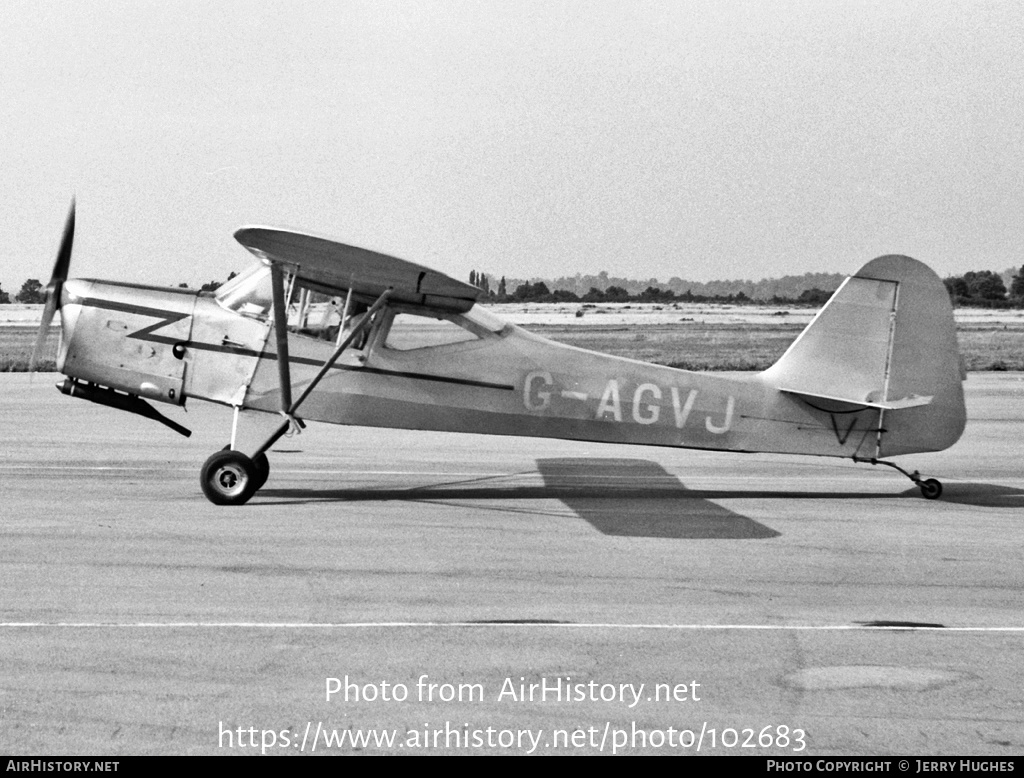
<point x="250" y="294"/>
<point x="486" y="319"/>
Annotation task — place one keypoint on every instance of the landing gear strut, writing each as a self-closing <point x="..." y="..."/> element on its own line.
<point x="931" y="489"/>
<point x="229" y="477"/>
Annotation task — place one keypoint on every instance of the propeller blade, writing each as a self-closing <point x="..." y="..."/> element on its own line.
<point x="56" y="285"/>
<point x="60" y="267"/>
<point x="44" y="329"/>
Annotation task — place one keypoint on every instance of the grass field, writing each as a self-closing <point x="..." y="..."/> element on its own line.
<point x="16" y="344"/>
<point x="992" y="348"/>
<point x="692" y="346"/>
<point x="689" y="345"/>
<point x="695" y="346"/>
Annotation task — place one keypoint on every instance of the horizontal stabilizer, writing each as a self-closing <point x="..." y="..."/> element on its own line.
<point x="912" y="401"/>
<point x="338" y="267"/>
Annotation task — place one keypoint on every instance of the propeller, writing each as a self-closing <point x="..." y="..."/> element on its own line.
<point x="56" y="285"/>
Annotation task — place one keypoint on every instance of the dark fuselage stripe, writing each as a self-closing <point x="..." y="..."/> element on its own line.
<point x="170" y="317"/>
<point x="425" y="377"/>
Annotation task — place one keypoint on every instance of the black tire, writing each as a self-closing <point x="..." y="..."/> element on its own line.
<point x="262" y="465"/>
<point x="930" y="489"/>
<point x="228" y="478"/>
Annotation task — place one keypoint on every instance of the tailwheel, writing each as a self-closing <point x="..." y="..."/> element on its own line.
<point x="229" y="478"/>
<point x="930" y="489"/>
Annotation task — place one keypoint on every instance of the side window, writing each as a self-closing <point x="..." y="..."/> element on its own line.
<point x="409" y="332"/>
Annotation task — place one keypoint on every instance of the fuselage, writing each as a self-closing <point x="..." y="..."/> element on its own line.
<point x="437" y="370"/>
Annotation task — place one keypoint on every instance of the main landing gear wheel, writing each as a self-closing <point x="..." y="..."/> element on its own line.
<point x="262" y="465"/>
<point x="930" y="489"/>
<point x="229" y="478"/>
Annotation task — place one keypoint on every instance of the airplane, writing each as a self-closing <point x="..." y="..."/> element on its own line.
<point x="317" y="330"/>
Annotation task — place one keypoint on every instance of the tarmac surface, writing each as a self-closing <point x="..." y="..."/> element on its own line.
<point x="768" y="605"/>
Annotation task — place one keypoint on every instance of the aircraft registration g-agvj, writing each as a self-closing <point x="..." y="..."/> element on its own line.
<point x="318" y="330"/>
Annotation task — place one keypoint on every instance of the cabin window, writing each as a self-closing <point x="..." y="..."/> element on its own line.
<point x="409" y="332"/>
<point x="315" y="314"/>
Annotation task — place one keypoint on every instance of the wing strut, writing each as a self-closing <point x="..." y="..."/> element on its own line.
<point x="281" y="331"/>
<point x="293" y="407"/>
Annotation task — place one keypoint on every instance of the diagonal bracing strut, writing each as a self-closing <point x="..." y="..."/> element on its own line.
<point x="292" y="408"/>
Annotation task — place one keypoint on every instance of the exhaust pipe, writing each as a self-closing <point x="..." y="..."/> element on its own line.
<point x="123" y="402"/>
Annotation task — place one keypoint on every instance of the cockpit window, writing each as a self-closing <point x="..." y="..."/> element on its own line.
<point x="484" y="318"/>
<point x="250" y="294"/>
<point x="409" y="332"/>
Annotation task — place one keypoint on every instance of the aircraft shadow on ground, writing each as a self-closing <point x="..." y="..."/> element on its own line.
<point x="620" y="497"/>
<point x="636" y="498"/>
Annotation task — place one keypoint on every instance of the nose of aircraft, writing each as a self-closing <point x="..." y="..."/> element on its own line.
<point x="72" y="293"/>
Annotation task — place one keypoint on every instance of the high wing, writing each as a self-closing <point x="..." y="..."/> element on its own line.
<point x="335" y="267"/>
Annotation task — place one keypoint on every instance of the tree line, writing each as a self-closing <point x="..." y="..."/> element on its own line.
<point x="604" y="287"/>
<point x="985" y="288"/>
<point x="32" y="291"/>
<point x="539" y="291"/>
<point x="982" y="288"/>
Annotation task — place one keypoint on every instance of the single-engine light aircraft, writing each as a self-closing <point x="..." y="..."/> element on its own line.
<point x="316" y="330"/>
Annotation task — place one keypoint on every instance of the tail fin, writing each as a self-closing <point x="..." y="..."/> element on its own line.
<point x="886" y="340"/>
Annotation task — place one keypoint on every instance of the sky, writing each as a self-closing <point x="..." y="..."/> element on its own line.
<point x="705" y="140"/>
